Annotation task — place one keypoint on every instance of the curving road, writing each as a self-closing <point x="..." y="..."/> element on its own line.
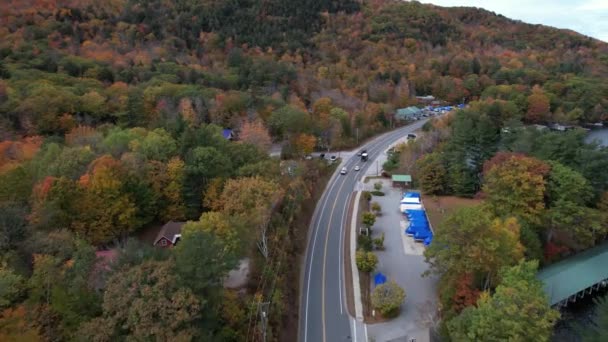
<point x="324" y="316"/>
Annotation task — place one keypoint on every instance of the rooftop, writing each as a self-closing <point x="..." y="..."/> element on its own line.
<point x="403" y="113"/>
<point x="568" y="277"/>
<point x="169" y="231"/>
<point x="402" y="178"/>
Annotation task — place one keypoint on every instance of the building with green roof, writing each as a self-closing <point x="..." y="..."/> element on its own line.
<point x="581" y="274"/>
<point x="402" y="180"/>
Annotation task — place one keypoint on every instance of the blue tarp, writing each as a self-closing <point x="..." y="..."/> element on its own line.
<point x="428" y="240"/>
<point x="416" y="217"/>
<point x="422" y="234"/>
<point x="420" y="224"/>
<point x="413" y="211"/>
<point x="411" y="195"/>
<point x="227" y="133"/>
<point x="414" y="228"/>
<point x="379" y="279"/>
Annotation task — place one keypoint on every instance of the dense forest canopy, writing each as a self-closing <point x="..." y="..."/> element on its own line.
<point x="112" y="115"/>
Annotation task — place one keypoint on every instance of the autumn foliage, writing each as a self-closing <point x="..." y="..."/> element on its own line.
<point x="466" y="293"/>
<point x="256" y="134"/>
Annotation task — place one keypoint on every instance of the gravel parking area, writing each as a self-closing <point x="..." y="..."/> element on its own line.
<point x="403" y="262"/>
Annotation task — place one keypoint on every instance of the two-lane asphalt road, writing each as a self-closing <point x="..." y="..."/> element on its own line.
<point x="323" y="312"/>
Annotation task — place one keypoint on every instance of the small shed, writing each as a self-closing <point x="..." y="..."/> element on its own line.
<point x="169" y="234"/>
<point x="402" y="181"/>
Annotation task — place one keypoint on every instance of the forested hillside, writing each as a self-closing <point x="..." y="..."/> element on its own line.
<point x="112" y="116"/>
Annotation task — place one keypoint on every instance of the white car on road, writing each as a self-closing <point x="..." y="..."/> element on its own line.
<point x="357" y="168"/>
<point x="343" y="171"/>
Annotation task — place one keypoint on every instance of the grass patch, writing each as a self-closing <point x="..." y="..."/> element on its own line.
<point x="377" y="193"/>
<point x="439" y="207"/>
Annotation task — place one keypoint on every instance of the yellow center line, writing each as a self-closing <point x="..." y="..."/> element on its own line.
<point x="325" y="260"/>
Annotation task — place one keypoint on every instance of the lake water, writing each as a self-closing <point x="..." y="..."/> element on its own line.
<point x="600" y="135"/>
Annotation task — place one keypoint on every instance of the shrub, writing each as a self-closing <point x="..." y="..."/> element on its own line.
<point x="376" y="208"/>
<point x="369" y="219"/>
<point x="367" y="195"/>
<point x="377" y="193"/>
<point x="366" y="261"/>
<point x="387" y="298"/>
<point x="379" y="242"/>
<point x="364" y="242"/>
<point x="378" y="186"/>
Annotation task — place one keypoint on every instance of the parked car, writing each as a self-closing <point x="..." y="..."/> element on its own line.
<point x="333" y="158"/>
<point x="357" y="168"/>
<point x="343" y="171"/>
<point x="322" y="155"/>
<point x="308" y="157"/>
<point x="411" y="136"/>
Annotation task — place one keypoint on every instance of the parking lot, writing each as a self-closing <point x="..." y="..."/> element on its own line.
<point x="403" y="262"/>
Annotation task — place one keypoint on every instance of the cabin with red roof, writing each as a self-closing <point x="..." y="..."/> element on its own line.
<point x="169" y="234"/>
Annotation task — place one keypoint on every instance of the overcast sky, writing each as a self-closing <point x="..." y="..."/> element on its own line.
<point x="589" y="17"/>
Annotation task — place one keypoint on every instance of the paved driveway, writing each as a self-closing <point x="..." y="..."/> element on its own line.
<point x="403" y="262"/>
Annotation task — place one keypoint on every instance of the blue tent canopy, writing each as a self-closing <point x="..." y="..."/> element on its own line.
<point x="379" y="279"/>
<point x="428" y="240"/>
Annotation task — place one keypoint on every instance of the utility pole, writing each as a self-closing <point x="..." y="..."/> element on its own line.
<point x="263" y="310"/>
<point x="357" y="135"/>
